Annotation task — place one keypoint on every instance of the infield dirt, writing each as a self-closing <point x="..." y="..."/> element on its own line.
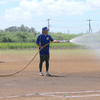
<point x="71" y="70"/>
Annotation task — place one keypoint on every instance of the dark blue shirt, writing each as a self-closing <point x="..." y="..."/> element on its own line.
<point x="43" y="40"/>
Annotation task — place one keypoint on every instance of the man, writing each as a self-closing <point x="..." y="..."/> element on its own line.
<point x="41" y="41"/>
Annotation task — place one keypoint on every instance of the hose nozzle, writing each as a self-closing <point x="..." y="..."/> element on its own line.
<point x="64" y="41"/>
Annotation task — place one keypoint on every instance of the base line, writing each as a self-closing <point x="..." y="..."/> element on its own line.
<point x="55" y="94"/>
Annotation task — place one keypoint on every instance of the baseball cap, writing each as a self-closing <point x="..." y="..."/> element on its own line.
<point x="45" y="28"/>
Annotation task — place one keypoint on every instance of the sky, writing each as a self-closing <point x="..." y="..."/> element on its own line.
<point x="64" y="15"/>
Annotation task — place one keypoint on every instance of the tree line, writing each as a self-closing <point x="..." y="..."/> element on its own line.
<point x="22" y="28"/>
<point x="26" y="34"/>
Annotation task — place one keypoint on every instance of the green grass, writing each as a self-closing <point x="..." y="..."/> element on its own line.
<point x="33" y="45"/>
<point x="64" y="45"/>
<point x="17" y="45"/>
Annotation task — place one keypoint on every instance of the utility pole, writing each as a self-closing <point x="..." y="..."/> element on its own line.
<point x="48" y="23"/>
<point x="68" y="31"/>
<point x="90" y="29"/>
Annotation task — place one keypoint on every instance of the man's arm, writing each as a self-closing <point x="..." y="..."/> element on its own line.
<point x="37" y="42"/>
<point x="55" y="41"/>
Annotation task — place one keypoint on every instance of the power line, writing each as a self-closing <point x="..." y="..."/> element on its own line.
<point x="64" y="21"/>
<point x="74" y="21"/>
<point x="24" y="22"/>
<point x="68" y="21"/>
<point x="96" y="20"/>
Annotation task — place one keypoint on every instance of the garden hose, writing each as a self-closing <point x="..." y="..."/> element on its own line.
<point x="27" y="64"/>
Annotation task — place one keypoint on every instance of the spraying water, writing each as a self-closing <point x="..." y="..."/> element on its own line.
<point x="91" y="40"/>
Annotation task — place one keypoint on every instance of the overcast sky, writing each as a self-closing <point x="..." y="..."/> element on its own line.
<point x="64" y="14"/>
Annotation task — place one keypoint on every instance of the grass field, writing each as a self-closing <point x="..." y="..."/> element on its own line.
<point x="33" y="45"/>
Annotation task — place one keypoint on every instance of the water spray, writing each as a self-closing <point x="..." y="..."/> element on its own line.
<point x="91" y="41"/>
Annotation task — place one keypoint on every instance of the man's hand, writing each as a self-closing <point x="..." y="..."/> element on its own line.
<point x="55" y="41"/>
<point x="41" y="47"/>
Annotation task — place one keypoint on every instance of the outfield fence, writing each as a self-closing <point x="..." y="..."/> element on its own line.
<point x="31" y="45"/>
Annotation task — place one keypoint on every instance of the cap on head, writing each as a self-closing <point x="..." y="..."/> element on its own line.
<point x="45" y="29"/>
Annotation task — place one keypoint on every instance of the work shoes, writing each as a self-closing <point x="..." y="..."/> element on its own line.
<point x="48" y="74"/>
<point x="41" y="74"/>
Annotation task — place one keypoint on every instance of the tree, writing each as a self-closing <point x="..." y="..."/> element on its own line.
<point x="22" y="28"/>
<point x="12" y="29"/>
<point x="6" y="39"/>
<point x="22" y="37"/>
<point x="32" y="29"/>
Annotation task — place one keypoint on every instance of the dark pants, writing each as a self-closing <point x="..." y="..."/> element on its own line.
<point x="44" y="57"/>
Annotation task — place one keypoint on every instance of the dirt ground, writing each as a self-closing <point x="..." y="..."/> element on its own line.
<point x="75" y="76"/>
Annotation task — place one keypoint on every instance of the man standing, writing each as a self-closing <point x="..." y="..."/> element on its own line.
<point x="41" y="41"/>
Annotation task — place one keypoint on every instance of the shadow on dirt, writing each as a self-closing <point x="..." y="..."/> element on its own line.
<point x="2" y="62"/>
<point x="56" y="76"/>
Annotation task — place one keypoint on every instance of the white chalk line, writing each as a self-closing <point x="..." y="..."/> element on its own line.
<point x="16" y="96"/>
<point x="54" y="94"/>
<point x="79" y="96"/>
<point x="72" y="92"/>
